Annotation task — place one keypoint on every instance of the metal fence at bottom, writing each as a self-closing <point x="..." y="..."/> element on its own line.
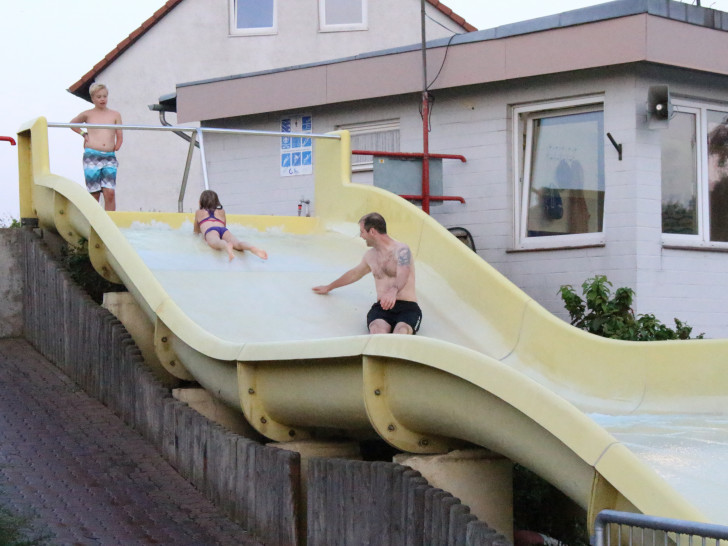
<point x="613" y="528"/>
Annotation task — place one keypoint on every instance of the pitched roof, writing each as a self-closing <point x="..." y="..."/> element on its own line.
<point x="81" y="87"/>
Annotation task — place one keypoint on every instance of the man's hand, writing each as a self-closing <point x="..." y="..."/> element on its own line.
<point x="388" y="299"/>
<point x="321" y="290"/>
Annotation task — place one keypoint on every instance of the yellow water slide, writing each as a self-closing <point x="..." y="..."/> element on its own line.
<point x="621" y="425"/>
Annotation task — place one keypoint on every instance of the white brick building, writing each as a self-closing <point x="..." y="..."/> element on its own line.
<point x="530" y="106"/>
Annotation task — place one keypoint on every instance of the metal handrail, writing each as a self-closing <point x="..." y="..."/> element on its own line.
<point x="196" y="138"/>
<point x="172" y="128"/>
<point x="656" y="523"/>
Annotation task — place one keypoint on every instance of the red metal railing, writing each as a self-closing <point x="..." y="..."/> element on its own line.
<point x="425" y="197"/>
<point x="11" y="140"/>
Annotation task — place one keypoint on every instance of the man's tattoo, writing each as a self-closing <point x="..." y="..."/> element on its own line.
<point x="404" y="257"/>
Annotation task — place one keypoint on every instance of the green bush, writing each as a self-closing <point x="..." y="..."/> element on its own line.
<point x="18" y="530"/>
<point x="7" y="221"/>
<point x="607" y="315"/>
<point x="78" y="264"/>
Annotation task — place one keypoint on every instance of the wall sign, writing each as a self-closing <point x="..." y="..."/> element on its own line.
<point x="296" y="151"/>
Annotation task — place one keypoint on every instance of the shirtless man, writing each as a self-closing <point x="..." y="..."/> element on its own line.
<point x="99" y="159"/>
<point x="390" y="262"/>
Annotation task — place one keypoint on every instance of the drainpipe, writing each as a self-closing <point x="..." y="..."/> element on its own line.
<point x="425" y="119"/>
<point x="163" y="121"/>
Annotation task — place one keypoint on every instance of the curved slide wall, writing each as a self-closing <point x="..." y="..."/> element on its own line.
<point x="621" y="425"/>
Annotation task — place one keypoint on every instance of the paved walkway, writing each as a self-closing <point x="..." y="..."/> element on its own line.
<point x="87" y="477"/>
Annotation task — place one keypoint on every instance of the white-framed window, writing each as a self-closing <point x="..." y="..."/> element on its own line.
<point x="559" y="167"/>
<point x="342" y="15"/>
<point x="695" y="176"/>
<point x="379" y="136"/>
<point x="253" y="17"/>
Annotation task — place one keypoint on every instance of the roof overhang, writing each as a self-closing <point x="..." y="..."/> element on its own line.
<point x="166" y="103"/>
<point x="476" y="58"/>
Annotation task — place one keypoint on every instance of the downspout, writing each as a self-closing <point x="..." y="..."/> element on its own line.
<point x="425" y="120"/>
<point x="163" y="121"/>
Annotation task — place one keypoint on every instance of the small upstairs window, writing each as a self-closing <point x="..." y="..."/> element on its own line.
<point x="342" y="15"/>
<point x="253" y="17"/>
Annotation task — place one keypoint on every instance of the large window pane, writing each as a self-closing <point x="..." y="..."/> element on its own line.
<point x="718" y="174"/>
<point x="679" y="176"/>
<point x="566" y="190"/>
<point x="254" y="14"/>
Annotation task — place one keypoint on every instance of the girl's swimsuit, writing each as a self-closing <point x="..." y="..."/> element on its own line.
<point x="219" y="229"/>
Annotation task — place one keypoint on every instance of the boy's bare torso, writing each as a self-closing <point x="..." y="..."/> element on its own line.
<point x="103" y="140"/>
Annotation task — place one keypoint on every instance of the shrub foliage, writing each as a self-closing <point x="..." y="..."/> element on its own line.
<point x="601" y="313"/>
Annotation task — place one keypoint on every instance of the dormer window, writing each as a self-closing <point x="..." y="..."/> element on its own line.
<point x="342" y="15"/>
<point x="253" y="17"/>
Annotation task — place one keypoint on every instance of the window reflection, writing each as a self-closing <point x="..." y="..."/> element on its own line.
<point x="566" y="190"/>
<point x="343" y="12"/>
<point x="679" y="176"/>
<point x="254" y="14"/>
<point x="718" y="174"/>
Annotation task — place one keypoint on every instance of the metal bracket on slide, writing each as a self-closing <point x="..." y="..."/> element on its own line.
<point x="165" y="353"/>
<point x="62" y="220"/>
<point x="254" y="410"/>
<point x="97" y="255"/>
<point x="377" y="394"/>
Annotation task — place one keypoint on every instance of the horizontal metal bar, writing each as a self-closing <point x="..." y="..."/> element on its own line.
<point x="212" y="130"/>
<point x="434" y="198"/>
<point x="408" y="154"/>
<point x="707" y="530"/>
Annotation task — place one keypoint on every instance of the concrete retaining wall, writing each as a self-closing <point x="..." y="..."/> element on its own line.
<point x="11" y="283"/>
<point x="356" y="502"/>
<point x="349" y="502"/>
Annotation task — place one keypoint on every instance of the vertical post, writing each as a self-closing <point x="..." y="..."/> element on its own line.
<point x="425" y="119"/>
<point x="201" y="140"/>
<point x="185" y="176"/>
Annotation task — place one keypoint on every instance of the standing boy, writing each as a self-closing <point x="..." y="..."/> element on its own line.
<point x="100" y="145"/>
<point x="390" y="262"/>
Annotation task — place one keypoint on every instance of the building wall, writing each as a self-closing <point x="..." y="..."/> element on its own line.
<point x="191" y="43"/>
<point x="476" y="122"/>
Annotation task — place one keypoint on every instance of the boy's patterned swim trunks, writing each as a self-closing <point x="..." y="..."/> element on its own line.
<point x="99" y="168"/>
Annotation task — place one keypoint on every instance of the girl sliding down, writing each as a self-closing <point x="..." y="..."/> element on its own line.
<point x="216" y="234"/>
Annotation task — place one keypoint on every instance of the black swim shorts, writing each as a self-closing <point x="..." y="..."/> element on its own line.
<point x="403" y="311"/>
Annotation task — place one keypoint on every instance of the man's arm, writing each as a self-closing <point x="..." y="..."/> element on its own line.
<point x="404" y="263"/>
<point x="351" y="276"/>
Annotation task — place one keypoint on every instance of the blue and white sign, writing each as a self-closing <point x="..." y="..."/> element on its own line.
<point x="297" y="150"/>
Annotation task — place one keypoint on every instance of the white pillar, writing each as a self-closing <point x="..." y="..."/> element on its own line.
<point x="480" y="478"/>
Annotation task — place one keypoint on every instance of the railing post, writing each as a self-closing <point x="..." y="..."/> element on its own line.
<point x="183" y="189"/>
<point x="203" y="159"/>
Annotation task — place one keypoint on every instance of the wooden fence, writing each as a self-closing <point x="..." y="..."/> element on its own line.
<point x="349" y="502"/>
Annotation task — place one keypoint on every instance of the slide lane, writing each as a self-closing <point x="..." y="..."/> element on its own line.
<point x="621" y="425"/>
